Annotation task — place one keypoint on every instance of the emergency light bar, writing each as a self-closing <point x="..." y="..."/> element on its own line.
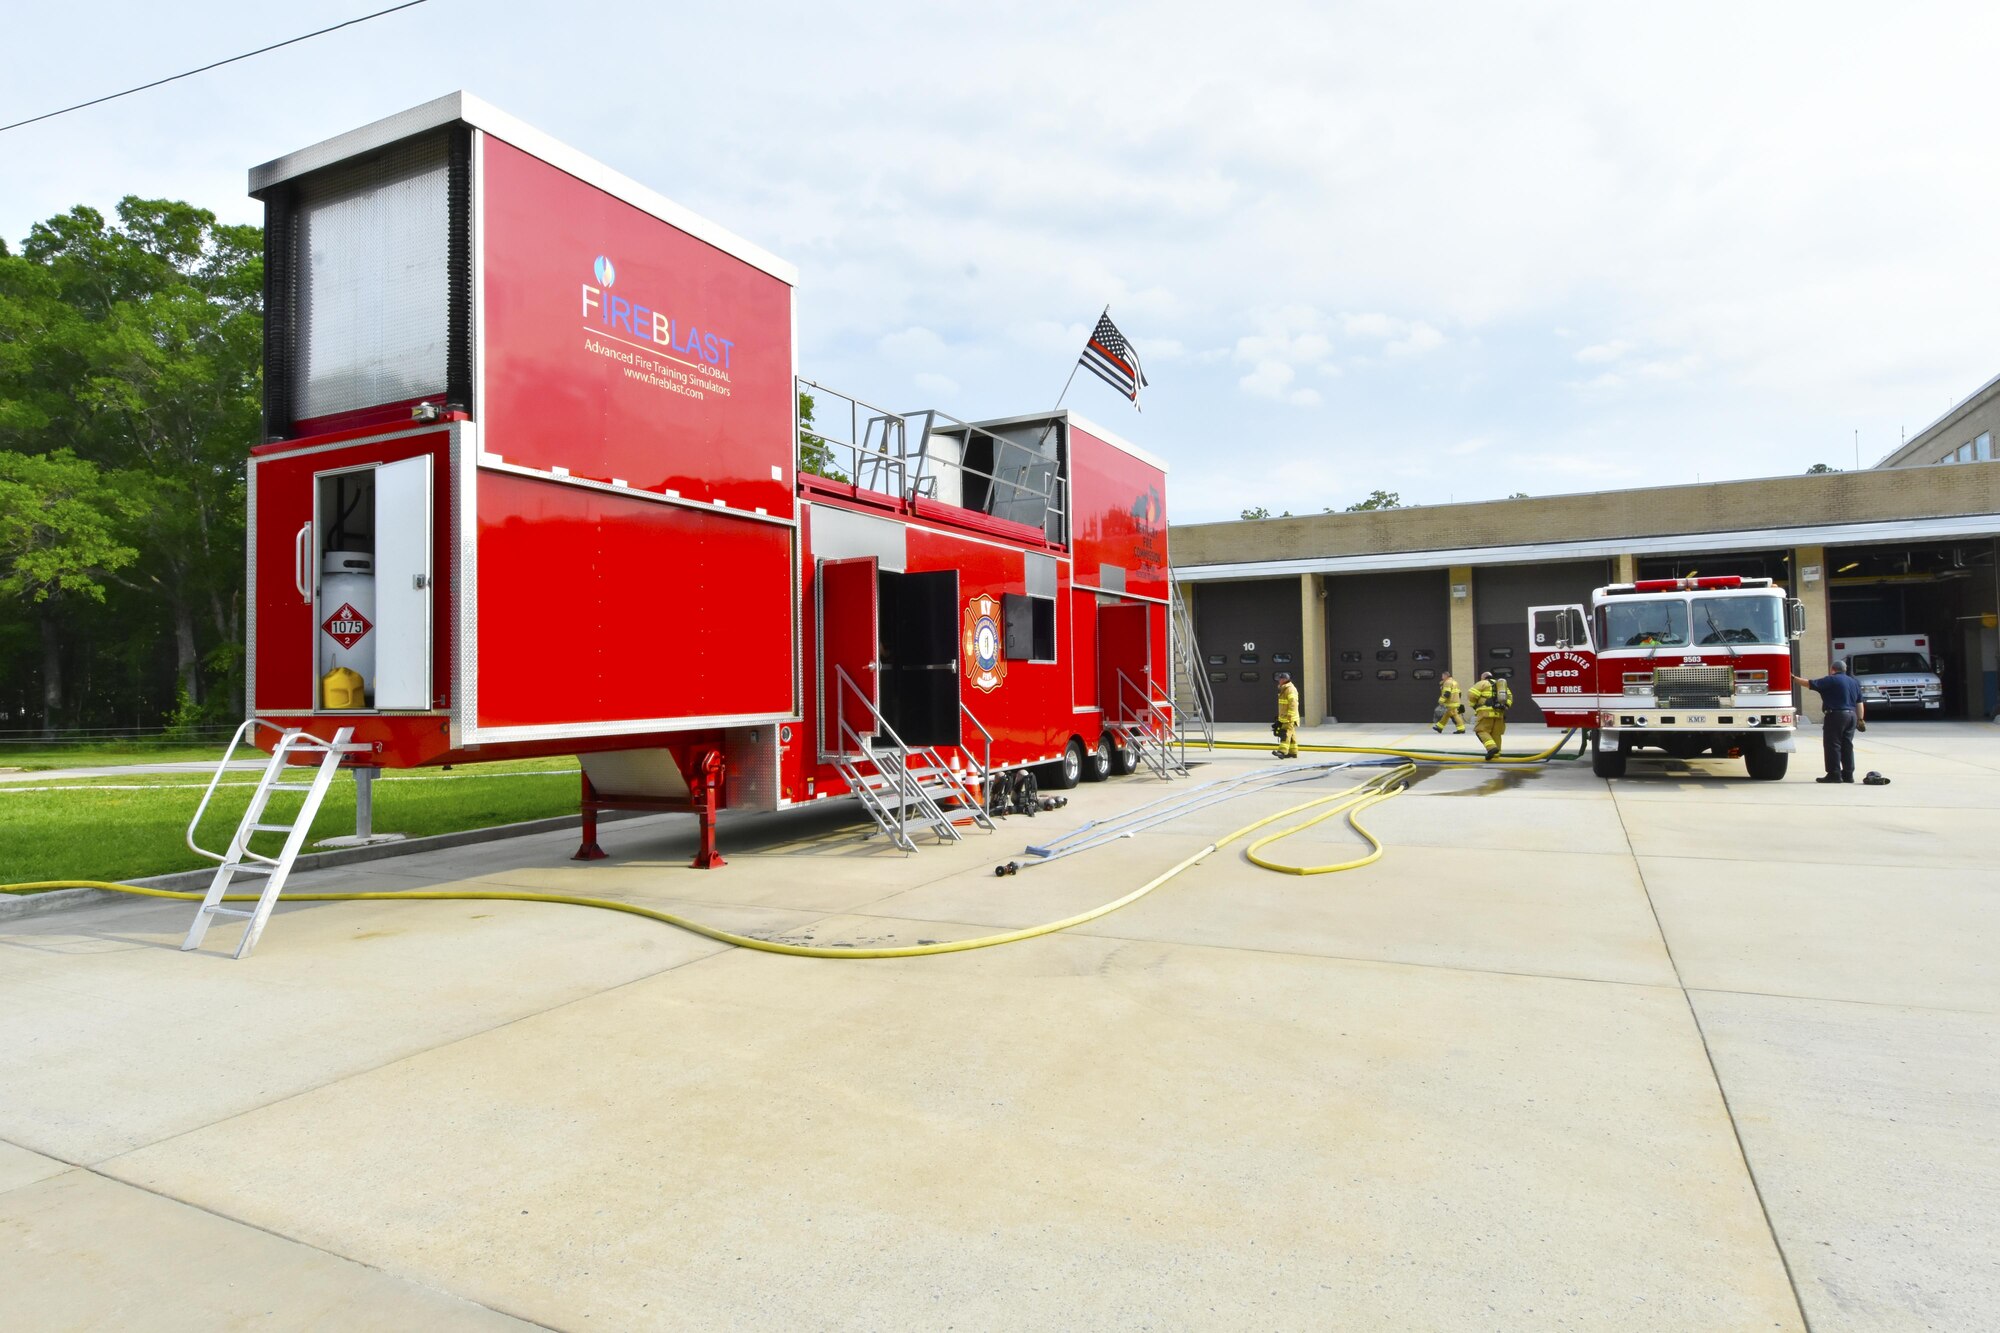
<point x="1686" y="585"/>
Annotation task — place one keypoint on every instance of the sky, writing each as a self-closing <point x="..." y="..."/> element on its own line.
<point x="1452" y="251"/>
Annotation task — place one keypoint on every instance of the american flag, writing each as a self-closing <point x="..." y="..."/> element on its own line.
<point x="1112" y="359"/>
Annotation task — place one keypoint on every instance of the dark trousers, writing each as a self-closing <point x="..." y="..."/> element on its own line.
<point x="1836" y="737"/>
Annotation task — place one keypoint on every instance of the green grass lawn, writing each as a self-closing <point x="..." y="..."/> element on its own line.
<point x="103" y="754"/>
<point x="125" y="828"/>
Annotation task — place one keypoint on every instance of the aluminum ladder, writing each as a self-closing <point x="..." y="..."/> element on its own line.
<point x="239" y="859"/>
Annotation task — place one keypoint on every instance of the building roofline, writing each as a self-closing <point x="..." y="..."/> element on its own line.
<point x="1970" y="400"/>
<point x="1822" y="534"/>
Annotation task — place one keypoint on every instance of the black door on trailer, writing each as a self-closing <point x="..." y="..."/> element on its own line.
<point x="1246" y="632"/>
<point x="919" y="677"/>
<point x="1501" y="596"/>
<point x="1388" y="640"/>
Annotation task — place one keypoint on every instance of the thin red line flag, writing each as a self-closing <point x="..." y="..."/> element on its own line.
<point x="1113" y="360"/>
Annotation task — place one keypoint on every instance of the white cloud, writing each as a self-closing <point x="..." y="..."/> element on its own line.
<point x="942" y="385"/>
<point x="913" y="346"/>
<point x="1476" y="204"/>
<point x="1273" y="379"/>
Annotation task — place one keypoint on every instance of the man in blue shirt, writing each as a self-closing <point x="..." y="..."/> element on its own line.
<point x="1840" y="696"/>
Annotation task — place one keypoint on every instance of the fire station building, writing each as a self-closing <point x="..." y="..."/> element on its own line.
<point x="1365" y="610"/>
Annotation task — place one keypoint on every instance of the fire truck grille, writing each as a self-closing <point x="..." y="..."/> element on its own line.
<point x="1693" y="686"/>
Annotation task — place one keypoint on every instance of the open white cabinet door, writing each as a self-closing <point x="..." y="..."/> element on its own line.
<point x="403" y="584"/>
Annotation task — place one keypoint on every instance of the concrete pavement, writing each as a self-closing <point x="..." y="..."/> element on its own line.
<point x="1677" y="1052"/>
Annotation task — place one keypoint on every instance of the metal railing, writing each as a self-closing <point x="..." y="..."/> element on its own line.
<point x="1187" y="657"/>
<point x="891" y="453"/>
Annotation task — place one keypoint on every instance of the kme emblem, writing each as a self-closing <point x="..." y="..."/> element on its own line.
<point x="983" y="665"/>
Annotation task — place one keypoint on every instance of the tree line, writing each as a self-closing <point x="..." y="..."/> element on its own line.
<point x="130" y="394"/>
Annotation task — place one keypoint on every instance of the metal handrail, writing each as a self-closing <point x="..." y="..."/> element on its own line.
<point x="1204" y="693"/>
<point x="303" y="740"/>
<point x="904" y="782"/>
<point x="920" y="480"/>
<point x="986" y="763"/>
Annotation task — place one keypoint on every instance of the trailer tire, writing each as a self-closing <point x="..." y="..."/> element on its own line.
<point x="1097" y="765"/>
<point x="1067" y="771"/>
<point x="1766" y="764"/>
<point x="1606" y="763"/>
<point x="1124" y="760"/>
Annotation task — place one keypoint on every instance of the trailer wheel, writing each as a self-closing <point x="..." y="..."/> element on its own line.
<point x="1067" y="771"/>
<point x="1766" y="764"/>
<point x="1606" y="763"/>
<point x="1098" y="766"/>
<point x="1124" y="760"/>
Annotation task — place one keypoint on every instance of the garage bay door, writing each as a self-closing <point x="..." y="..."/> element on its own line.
<point x="1247" y="632"/>
<point x="1388" y="639"/>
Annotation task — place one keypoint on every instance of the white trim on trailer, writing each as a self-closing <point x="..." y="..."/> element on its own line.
<point x="463" y="106"/>
<point x="563" y="731"/>
<point x="1120" y="593"/>
<point x="497" y="463"/>
<point x="1116" y="441"/>
<point x="1060" y="555"/>
<point x="354" y="441"/>
<point x="1831" y="534"/>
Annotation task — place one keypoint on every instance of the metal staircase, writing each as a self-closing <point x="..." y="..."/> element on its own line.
<point x="1150" y="728"/>
<point x="239" y="859"/>
<point x="903" y="786"/>
<point x="1194" y="700"/>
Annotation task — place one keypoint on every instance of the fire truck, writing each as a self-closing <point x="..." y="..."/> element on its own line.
<point x="532" y="484"/>
<point x="1690" y="666"/>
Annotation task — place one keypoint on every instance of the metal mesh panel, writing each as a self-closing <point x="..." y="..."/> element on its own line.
<point x="374" y="276"/>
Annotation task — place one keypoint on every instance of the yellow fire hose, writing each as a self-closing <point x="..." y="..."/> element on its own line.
<point x="1351" y="802"/>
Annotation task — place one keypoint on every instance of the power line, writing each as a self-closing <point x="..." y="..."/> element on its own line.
<point x="292" y="41"/>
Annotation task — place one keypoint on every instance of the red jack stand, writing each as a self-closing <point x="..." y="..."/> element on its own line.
<point x="589" y="851"/>
<point x="705" y="791"/>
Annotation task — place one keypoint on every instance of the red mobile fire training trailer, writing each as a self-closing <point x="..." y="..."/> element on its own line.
<point x="530" y="485"/>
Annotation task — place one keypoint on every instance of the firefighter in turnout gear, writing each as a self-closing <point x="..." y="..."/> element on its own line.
<point x="1286" y="727"/>
<point x="1490" y="701"/>
<point x="1449" y="709"/>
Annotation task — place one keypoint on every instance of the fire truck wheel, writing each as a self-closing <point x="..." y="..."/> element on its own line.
<point x="1098" y="766"/>
<point x="1067" y="771"/>
<point x="1606" y="763"/>
<point x="1766" y="765"/>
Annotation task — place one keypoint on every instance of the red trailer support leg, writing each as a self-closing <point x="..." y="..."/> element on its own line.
<point x="706" y="789"/>
<point x="589" y="850"/>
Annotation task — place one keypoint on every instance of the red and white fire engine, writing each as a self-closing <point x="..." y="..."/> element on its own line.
<point x="532" y="485"/>
<point x="1690" y="666"/>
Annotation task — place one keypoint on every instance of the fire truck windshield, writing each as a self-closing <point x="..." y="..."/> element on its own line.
<point x="1734" y="620"/>
<point x="1646" y="624"/>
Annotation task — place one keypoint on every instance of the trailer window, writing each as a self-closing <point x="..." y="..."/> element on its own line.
<point x="1729" y="620"/>
<point x="1646" y="624"/>
<point x="1030" y="627"/>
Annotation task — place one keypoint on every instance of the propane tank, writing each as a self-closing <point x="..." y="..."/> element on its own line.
<point x="347" y="615"/>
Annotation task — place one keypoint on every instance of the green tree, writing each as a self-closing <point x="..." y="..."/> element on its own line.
<point x="1821" y="467"/>
<point x="1259" y="512"/>
<point x="1376" y="500"/>
<point x="60" y="525"/>
<point x="815" y="454"/>
<point x="137" y="345"/>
